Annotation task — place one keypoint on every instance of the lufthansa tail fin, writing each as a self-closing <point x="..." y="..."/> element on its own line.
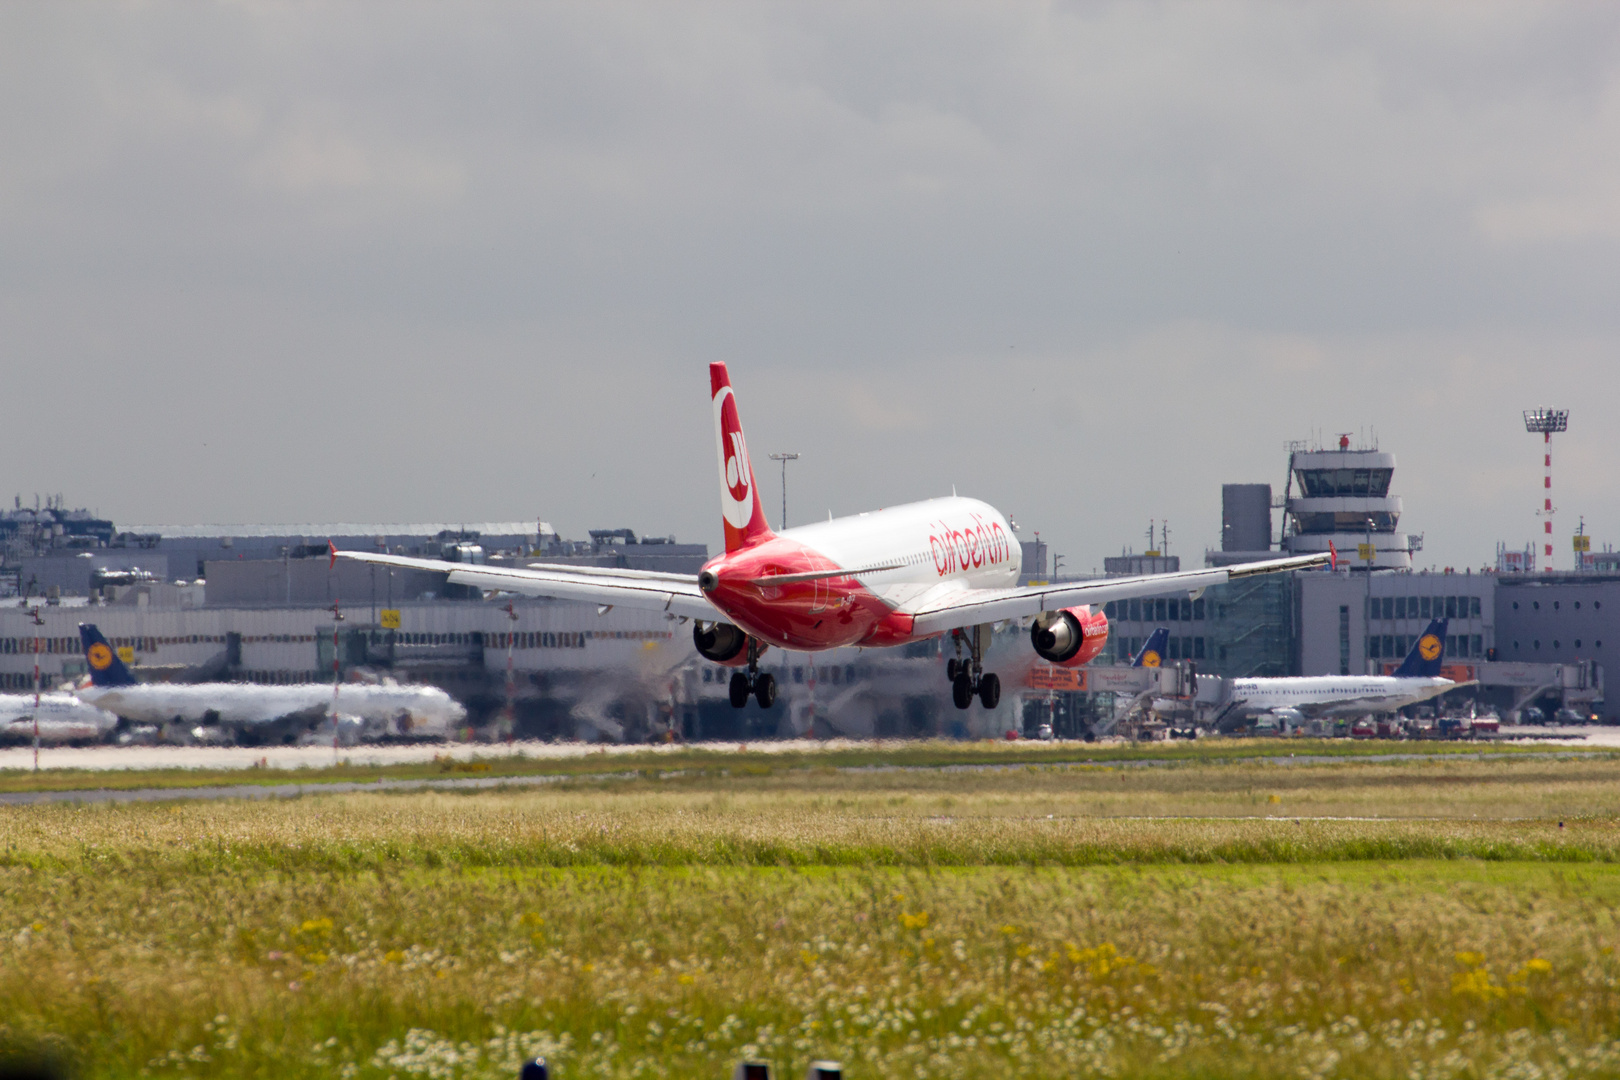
<point x="1428" y="652"/>
<point x="1152" y="654"/>
<point x="739" y="494"/>
<point x="106" y="669"/>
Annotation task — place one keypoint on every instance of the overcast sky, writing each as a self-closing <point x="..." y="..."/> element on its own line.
<point x="396" y="262"/>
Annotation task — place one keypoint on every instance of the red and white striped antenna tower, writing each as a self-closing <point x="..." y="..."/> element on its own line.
<point x="511" y="636"/>
<point x="1546" y="421"/>
<point x="38" y="622"/>
<point x="337" y="675"/>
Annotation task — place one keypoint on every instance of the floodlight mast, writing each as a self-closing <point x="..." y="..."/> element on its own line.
<point x="1546" y="421"/>
<point x="784" y="458"/>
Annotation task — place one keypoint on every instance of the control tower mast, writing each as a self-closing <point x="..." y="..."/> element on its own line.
<point x="1547" y="421"/>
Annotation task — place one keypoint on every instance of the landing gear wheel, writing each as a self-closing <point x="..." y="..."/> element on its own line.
<point x="962" y="690"/>
<point x="739" y="689"/>
<point x="765" y="690"/>
<point x="989" y="690"/>
<point x="952" y="666"/>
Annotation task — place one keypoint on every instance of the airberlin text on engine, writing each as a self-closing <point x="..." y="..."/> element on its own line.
<point x="969" y="548"/>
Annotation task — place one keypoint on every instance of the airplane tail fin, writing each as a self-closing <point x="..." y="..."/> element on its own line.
<point x="1152" y="654"/>
<point x="105" y="668"/>
<point x="739" y="494"/>
<point x="1428" y="652"/>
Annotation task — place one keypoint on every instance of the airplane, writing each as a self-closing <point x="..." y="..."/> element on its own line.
<point x="381" y="710"/>
<point x="1296" y="698"/>
<point x="1152" y="651"/>
<point x="943" y="567"/>
<point x="62" y="718"/>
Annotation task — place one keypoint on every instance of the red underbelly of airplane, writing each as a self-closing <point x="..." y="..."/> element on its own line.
<point x="807" y="615"/>
<point x="813" y="615"/>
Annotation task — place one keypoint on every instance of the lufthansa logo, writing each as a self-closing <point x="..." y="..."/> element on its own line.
<point x="100" y="656"/>
<point x="1429" y="647"/>
<point x="1150" y="659"/>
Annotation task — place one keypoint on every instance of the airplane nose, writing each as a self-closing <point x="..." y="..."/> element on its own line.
<point x="707" y="580"/>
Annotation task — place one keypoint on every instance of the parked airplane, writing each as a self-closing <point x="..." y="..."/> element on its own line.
<point x="888" y="577"/>
<point x="1152" y="651"/>
<point x="1290" y="700"/>
<point x="368" y="710"/>
<point x="62" y="718"/>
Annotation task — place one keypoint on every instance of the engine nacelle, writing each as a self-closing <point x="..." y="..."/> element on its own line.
<point x="1070" y="637"/>
<point x="721" y="642"/>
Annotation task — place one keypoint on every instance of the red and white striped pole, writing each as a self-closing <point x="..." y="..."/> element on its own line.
<point x="37" y="622"/>
<point x="1546" y="421"/>
<point x="511" y="635"/>
<point x="337" y="680"/>
<point x="1546" y="440"/>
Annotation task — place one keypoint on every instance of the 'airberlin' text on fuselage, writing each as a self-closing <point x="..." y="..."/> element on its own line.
<point x="977" y="545"/>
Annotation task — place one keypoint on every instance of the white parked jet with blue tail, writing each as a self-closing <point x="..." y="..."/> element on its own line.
<point x="1296" y="698"/>
<point x="365" y="710"/>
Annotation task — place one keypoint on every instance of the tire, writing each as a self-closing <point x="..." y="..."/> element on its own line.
<point x="952" y="666"/>
<point x="962" y="690"/>
<point x="739" y="689"/>
<point x="765" y="690"/>
<point x="989" y="690"/>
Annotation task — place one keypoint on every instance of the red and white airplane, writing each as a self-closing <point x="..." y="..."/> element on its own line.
<point x="888" y="577"/>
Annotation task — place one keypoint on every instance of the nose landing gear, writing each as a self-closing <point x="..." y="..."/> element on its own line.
<point x="967" y="676"/>
<point x="761" y="686"/>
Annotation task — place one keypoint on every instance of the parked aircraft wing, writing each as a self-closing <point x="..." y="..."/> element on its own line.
<point x="645" y="589"/>
<point x="966" y="607"/>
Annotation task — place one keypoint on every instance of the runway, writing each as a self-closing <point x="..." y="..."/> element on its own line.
<point x="111" y="758"/>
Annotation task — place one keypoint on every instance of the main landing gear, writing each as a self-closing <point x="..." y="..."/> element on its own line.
<point x="761" y="686"/>
<point x="968" y="677"/>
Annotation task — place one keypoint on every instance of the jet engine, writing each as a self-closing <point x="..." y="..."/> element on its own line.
<point x="1070" y="637"/>
<point x="720" y="642"/>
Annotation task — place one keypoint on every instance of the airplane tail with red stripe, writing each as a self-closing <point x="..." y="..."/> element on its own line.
<point x="739" y="495"/>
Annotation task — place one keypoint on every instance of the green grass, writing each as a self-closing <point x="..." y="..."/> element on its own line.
<point x="926" y="754"/>
<point x="907" y="923"/>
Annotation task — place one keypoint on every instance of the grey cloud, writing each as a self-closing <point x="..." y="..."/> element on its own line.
<point x="1089" y="261"/>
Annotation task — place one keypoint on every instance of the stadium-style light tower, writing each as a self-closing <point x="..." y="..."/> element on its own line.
<point x="1547" y="421"/>
<point x="784" y="459"/>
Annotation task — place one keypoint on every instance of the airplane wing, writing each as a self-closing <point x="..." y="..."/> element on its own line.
<point x="936" y="613"/>
<point x="645" y="589"/>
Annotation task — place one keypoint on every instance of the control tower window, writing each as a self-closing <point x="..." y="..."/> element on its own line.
<point x="1327" y="483"/>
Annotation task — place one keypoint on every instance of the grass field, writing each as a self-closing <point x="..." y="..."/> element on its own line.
<point x="499" y="761"/>
<point x="1426" y="918"/>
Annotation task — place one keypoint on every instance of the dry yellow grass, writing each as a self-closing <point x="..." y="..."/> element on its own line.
<point x="932" y="924"/>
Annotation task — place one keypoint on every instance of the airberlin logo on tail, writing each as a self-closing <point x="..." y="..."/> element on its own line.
<point x="968" y="548"/>
<point x="736" y="482"/>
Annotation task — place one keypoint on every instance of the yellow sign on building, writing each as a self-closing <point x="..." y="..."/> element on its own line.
<point x="389" y="618"/>
<point x="126" y="653"/>
<point x="1366" y="552"/>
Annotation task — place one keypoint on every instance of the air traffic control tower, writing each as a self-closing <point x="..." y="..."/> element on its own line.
<point x="1344" y="499"/>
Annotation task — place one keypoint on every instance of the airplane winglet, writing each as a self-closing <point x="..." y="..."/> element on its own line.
<point x="1333" y="556"/>
<point x="333" y="549"/>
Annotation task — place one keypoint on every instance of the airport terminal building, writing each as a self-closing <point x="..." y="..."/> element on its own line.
<point x="263" y="604"/>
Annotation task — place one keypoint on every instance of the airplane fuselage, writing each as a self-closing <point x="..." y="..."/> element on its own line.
<point x="897" y="557"/>
<point x="1326" y="695"/>
<point x="428" y="710"/>
<point x="62" y="717"/>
